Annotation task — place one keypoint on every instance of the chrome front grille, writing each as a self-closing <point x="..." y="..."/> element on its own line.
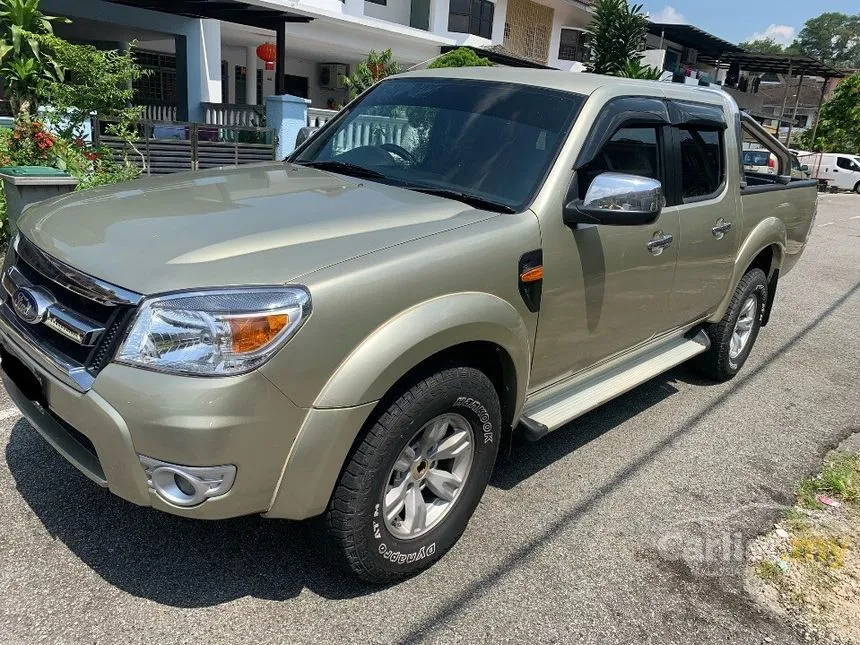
<point x="73" y="320"/>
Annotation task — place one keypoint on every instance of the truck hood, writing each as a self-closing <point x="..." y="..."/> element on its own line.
<point x="260" y="224"/>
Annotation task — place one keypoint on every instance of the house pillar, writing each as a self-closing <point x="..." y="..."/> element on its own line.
<point x="281" y="57"/>
<point x="203" y="66"/>
<point x="353" y="7"/>
<point x="439" y="16"/>
<point x="287" y="115"/>
<point x="251" y="76"/>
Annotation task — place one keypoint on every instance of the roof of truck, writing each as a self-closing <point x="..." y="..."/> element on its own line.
<point x="579" y="82"/>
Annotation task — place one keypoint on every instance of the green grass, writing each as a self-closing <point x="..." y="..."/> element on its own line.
<point x="839" y="478"/>
<point x="795" y="520"/>
<point x="768" y="570"/>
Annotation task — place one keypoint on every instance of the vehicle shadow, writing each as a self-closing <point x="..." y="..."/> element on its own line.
<point x="195" y="563"/>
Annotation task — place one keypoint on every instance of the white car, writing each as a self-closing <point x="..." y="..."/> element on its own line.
<point x="760" y="161"/>
<point x="842" y="171"/>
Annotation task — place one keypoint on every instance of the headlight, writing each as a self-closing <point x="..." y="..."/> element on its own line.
<point x="214" y="333"/>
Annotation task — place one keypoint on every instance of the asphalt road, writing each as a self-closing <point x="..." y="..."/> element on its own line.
<point x="627" y="526"/>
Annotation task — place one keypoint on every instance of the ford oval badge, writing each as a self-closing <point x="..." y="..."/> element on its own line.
<point x="28" y="306"/>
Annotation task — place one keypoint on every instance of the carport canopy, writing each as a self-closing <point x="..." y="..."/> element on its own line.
<point x="236" y="11"/>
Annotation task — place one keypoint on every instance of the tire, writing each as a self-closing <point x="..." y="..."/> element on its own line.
<point x="857" y="188"/>
<point x="723" y="361"/>
<point x="358" y="535"/>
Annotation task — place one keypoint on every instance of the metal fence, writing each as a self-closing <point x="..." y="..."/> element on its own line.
<point x="165" y="147"/>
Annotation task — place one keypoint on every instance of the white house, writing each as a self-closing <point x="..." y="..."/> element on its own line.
<point x="204" y="52"/>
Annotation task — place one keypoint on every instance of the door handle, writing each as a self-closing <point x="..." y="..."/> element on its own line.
<point x="659" y="242"/>
<point x="721" y="227"/>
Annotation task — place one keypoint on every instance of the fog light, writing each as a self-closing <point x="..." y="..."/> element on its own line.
<point x="187" y="485"/>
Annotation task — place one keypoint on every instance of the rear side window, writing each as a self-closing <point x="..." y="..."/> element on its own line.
<point x="702" y="162"/>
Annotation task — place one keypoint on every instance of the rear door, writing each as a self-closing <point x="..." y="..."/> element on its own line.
<point x="708" y="211"/>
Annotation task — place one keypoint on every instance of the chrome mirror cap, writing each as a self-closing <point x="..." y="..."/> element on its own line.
<point x="618" y="199"/>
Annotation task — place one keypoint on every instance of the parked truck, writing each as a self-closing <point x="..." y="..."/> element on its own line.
<point x="457" y="257"/>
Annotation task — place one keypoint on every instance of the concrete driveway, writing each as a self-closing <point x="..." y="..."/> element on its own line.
<point x="628" y="526"/>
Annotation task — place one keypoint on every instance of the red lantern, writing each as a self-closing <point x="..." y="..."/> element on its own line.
<point x="268" y="53"/>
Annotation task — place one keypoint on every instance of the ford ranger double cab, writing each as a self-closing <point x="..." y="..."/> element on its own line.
<point x="457" y="257"/>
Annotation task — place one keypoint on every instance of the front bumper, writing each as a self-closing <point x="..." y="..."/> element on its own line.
<point x="128" y="413"/>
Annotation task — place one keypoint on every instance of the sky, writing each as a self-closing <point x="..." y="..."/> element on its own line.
<point x="740" y="20"/>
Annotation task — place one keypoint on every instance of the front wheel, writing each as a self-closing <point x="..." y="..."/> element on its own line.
<point x="415" y="478"/>
<point x="733" y="337"/>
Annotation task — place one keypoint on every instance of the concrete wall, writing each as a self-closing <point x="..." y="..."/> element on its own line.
<point x="394" y="11"/>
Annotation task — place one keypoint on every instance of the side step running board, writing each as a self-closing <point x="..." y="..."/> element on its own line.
<point x="551" y="409"/>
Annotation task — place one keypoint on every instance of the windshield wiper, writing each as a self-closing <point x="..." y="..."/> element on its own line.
<point x="343" y="168"/>
<point x="466" y="198"/>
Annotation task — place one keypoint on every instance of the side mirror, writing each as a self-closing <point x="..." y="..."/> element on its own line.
<point x="617" y="199"/>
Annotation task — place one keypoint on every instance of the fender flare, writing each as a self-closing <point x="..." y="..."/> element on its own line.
<point x="420" y="332"/>
<point x="769" y="232"/>
<point x="349" y="397"/>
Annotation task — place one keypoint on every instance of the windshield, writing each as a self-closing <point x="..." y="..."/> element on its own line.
<point x="493" y="142"/>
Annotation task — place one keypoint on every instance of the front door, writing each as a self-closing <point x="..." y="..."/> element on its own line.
<point x="709" y="218"/>
<point x="604" y="290"/>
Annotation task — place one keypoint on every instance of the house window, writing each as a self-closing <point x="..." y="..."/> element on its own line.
<point x="471" y="17"/>
<point x="571" y="45"/>
<point x="159" y="87"/>
<point x="382" y="2"/>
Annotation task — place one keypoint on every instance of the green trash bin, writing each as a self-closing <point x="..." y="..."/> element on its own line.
<point x="25" y="185"/>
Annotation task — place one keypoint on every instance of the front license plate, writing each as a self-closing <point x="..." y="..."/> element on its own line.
<point x="30" y="384"/>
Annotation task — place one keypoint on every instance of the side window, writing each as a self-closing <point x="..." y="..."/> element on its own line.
<point x="847" y="164"/>
<point x="633" y="151"/>
<point x="703" y="165"/>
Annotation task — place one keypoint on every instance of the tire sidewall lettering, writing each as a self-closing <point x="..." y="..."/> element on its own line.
<point x="483" y="416"/>
<point x="404" y="557"/>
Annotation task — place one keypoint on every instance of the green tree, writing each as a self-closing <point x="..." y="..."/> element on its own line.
<point x="616" y="39"/>
<point x="460" y="57"/>
<point x="97" y="82"/>
<point x="832" y="37"/>
<point x="23" y="63"/>
<point x="377" y="66"/>
<point x="634" y="68"/>
<point x="839" y="121"/>
<point x="763" y="46"/>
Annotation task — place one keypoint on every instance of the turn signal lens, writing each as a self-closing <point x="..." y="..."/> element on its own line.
<point x="251" y="333"/>
<point x="532" y="275"/>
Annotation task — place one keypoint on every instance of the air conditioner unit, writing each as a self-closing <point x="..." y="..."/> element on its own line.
<point x="331" y="75"/>
<point x="689" y="56"/>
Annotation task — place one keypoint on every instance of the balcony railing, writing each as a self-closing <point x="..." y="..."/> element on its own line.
<point x="249" y="116"/>
<point x="159" y="112"/>
<point x="317" y="117"/>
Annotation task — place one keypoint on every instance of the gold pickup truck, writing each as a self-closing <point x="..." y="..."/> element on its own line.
<point x="351" y="334"/>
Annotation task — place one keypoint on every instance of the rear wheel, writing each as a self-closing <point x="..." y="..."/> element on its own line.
<point x="733" y="337"/>
<point x="415" y="478"/>
<point x="857" y="188"/>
